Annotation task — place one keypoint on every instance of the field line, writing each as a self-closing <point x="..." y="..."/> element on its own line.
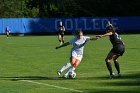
<point x="49" y="85"/>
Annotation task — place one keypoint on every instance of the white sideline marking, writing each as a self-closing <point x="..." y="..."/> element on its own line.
<point x="59" y="87"/>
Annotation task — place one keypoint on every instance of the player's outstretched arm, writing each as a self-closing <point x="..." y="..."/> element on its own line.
<point x="107" y="34"/>
<point x="94" y="38"/>
<point x="63" y="45"/>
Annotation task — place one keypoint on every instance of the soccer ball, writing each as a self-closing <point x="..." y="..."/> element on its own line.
<point x="72" y="75"/>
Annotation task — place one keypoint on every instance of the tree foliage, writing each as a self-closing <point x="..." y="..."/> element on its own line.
<point x="68" y="8"/>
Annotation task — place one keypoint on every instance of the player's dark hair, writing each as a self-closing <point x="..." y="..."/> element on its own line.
<point x="111" y="28"/>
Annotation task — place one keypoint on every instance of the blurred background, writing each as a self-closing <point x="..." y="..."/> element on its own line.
<point x="68" y="8"/>
<point x="42" y="16"/>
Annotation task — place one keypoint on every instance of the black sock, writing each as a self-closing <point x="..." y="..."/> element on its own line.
<point x="59" y="40"/>
<point x="109" y="67"/>
<point x="117" y="66"/>
<point x="63" y="41"/>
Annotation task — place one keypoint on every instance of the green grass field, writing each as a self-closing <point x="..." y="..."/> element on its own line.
<point x="29" y="64"/>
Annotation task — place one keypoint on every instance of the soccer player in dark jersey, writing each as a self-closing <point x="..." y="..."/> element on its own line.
<point x="117" y="50"/>
<point x="61" y="31"/>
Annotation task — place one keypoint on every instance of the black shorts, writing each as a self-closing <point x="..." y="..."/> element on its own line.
<point x="118" y="49"/>
<point x="61" y="33"/>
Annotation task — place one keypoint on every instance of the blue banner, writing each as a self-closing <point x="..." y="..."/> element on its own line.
<point x="87" y="24"/>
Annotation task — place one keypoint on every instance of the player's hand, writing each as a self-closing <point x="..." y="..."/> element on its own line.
<point x="96" y="38"/>
<point x="99" y="36"/>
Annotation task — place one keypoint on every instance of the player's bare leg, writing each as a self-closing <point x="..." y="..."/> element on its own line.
<point x="60" y="39"/>
<point x="116" y="63"/>
<point x="66" y="66"/>
<point x="74" y="63"/>
<point x="108" y="63"/>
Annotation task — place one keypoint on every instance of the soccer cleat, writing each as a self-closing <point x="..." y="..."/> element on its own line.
<point x="112" y="75"/>
<point x="59" y="73"/>
<point x="119" y="75"/>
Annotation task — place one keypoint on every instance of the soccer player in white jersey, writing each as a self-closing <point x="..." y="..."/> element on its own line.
<point x="76" y="53"/>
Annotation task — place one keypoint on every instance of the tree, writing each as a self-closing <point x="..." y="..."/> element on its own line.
<point x="68" y="8"/>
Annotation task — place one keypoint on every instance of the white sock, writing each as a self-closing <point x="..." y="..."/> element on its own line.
<point x="70" y="70"/>
<point x="61" y="43"/>
<point x="67" y="65"/>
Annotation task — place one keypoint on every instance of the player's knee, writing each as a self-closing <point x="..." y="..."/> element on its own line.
<point x="75" y="65"/>
<point x="107" y="60"/>
<point x="72" y="63"/>
<point x="115" y="60"/>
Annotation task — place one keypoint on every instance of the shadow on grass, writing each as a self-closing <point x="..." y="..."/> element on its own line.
<point x="126" y="80"/>
<point x="113" y="91"/>
<point x="30" y="78"/>
<point x="129" y="81"/>
<point x="133" y="76"/>
<point x="134" y="48"/>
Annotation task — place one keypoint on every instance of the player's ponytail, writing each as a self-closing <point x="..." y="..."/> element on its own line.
<point x="110" y="27"/>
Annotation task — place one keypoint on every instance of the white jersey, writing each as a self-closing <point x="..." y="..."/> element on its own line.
<point x="78" y="44"/>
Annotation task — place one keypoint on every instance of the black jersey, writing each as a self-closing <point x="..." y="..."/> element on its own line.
<point x="115" y="39"/>
<point x="61" y="28"/>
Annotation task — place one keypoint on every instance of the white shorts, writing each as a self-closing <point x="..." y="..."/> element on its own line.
<point x="74" y="54"/>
